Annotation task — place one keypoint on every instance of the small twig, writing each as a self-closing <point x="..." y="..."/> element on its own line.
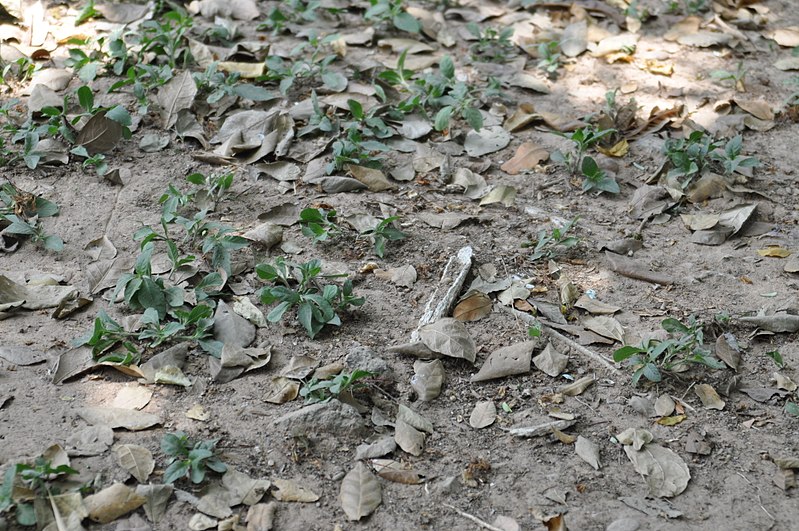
<point x="759" y="500"/>
<point x="474" y="519"/>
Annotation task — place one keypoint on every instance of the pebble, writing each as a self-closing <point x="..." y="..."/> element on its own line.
<point x="623" y="524"/>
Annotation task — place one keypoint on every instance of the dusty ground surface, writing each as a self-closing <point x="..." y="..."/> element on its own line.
<point x="487" y="472"/>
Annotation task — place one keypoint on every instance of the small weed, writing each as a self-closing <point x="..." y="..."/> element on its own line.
<point x="190" y="458"/>
<point x="654" y="357"/>
<point x="299" y="285"/>
<point x="549" y="58"/>
<point x="596" y="178"/>
<point x="492" y="44"/>
<point x="556" y="243"/>
<point x="735" y="78"/>
<point x="166" y="37"/>
<point x="689" y="156"/>
<point x="319" y="224"/>
<point x="392" y="12"/>
<point x="584" y="139"/>
<point x="20" y="212"/>
<point x="325" y="390"/>
<point x="353" y="148"/>
<point x="38" y="478"/>
<point x="730" y="157"/>
<point x="776" y="357"/>
<point x="316" y="67"/>
<point x="384" y="232"/>
<point x="87" y="12"/>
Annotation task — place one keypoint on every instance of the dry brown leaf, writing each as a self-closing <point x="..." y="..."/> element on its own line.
<point x="483" y="415"/>
<point x="392" y="470"/>
<point x="360" y="492"/>
<point x="473" y="307"/>
<point x="112" y="502"/>
<point x="774" y="252"/>
<point x="528" y="156"/>
<point x="408" y="438"/>
<point x="290" y="491"/>
<point x="507" y="361"/>
<point x="100" y="134"/>
<point x="709" y="397"/>
<point x="176" y="95"/>
<point x="587" y="451"/>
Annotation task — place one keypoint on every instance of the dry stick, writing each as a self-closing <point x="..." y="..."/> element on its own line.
<point x="474" y="519"/>
<point x="557" y="335"/>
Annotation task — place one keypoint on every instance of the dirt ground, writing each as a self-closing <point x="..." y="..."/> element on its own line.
<point x="489" y="472"/>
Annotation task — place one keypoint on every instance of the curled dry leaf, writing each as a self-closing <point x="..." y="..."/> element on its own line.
<point x="473" y="307"/>
<point x="605" y="326"/>
<point x="282" y="390"/>
<point x="588" y="451"/>
<point x="483" y="415"/>
<point x="135" y="459"/>
<point x="577" y="387"/>
<point x="551" y="361"/>
<point x="540" y="429"/>
<point x="727" y="350"/>
<point x="635" y="437"/>
<point x="396" y="472"/>
<point x="709" y="397"/>
<point x="360" y="492"/>
<point x="527" y="157"/>
<point x="119" y="418"/>
<point x="112" y="502"/>
<point x="427" y="379"/>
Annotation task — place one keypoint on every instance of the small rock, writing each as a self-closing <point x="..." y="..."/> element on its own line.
<point x="327" y="417"/>
<point x="623" y="524"/>
<point x="367" y="359"/>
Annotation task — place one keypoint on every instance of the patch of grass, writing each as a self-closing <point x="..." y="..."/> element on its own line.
<point x="654" y="357"/>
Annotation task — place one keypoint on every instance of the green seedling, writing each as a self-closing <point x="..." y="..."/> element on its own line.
<point x="492" y="44"/>
<point x="190" y="458"/>
<point x="86" y="13"/>
<point x="39" y="478"/>
<point x="730" y="157"/>
<point x="353" y="148"/>
<point x="596" y="179"/>
<point x="317" y="391"/>
<point x="217" y="85"/>
<point x="584" y="139"/>
<point x="213" y="188"/>
<point x="213" y="239"/>
<point x="297" y="11"/>
<point x="392" y="12"/>
<point x="319" y="120"/>
<point x="554" y="244"/>
<point x="776" y="357"/>
<point x="536" y="329"/>
<point x="735" y="79"/>
<point x="299" y="285"/>
<point x="319" y="224"/>
<point x="142" y="290"/>
<point x="368" y="123"/>
<point x="315" y="67"/>
<point x="20" y="214"/>
<point x="83" y="64"/>
<point x="107" y="334"/>
<point x="654" y="357"/>
<point x="689" y="156"/>
<point x="384" y="232"/>
<point x="166" y="37"/>
<point x="549" y="58"/>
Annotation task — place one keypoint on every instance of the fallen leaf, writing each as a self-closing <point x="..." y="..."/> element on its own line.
<point x="449" y="337"/>
<point x="409" y="416"/>
<point x="506" y="361"/>
<point x="671" y="421"/>
<point x="540" y="429"/>
<point x="635" y="437"/>
<point x="574" y="39"/>
<point x="281" y="390"/>
<point x="528" y="156"/>
<point x="551" y="361"/>
<point x="784" y="382"/>
<point x="605" y="326"/>
<point x="21" y="355"/>
<point x="129" y="419"/>
<point x="500" y="194"/>
<point x="587" y="451"/>
<point x="135" y="459"/>
<point x="156" y="498"/>
<point x="290" y="491"/>
<point x="577" y="387"/>
<point x="487" y="140"/>
<point x="242" y="488"/>
<point x="401" y="276"/>
<point x="483" y="415"/>
<point x="112" y="502"/>
<point x="198" y="412"/>
<point x="408" y="438"/>
<point x="664" y="406"/>
<point x="33" y="297"/>
<point x="379" y="448"/>
<point x="774" y="252"/>
<point x="100" y="134"/>
<point x="596" y="307"/>
<point x="132" y="397"/>
<point x="709" y="397"/>
<point x="360" y="492"/>
<point x="474" y="306"/>
<point x="777" y="323"/>
<point x="260" y="517"/>
<point x="392" y="470"/>
<point x="665" y="472"/>
<point x="427" y="379"/>
<point x="727" y="350"/>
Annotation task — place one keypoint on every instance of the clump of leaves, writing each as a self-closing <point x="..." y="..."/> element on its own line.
<point x="392" y="12"/>
<point x="689" y="156"/>
<point x="300" y="286"/>
<point x="19" y="216"/>
<point x="190" y="458"/>
<point x="584" y="139"/>
<point x="730" y="157"/>
<point x="654" y="357"/>
<point x="166" y="37"/>
<point x="384" y="232"/>
<point x="492" y="44"/>
<point x="314" y="67"/>
<point x="353" y="148"/>
<point x="553" y="244"/>
<point x="319" y="224"/>
<point x="325" y="390"/>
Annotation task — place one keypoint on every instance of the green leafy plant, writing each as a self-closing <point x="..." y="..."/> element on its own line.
<point x="87" y="12"/>
<point x="736" y="79"/>
<point x="492" y="44"/>
<point x="584" y="139"/>
<point x="38" y="478"/>
<point x="730" y="157"/>
<point x="166" y="36"/>
<point x="315" y="67"/>
<point x="654" y="357"/>
<point x="353" y="148"/>
<point x="190" y="458"/>
<point x="299" y="285"/>
<point x="689" y="156"/>
<point x="549" y="58"/>
<point x="596" y="178"/>
<point x="384" y="232"/>
<point x="392" y="12"/>
<point x="319" y="224"/>
<point x="19" y="216"/>
<point x="142" y="289"/>
<point x="325" y="390"/>
<point x="777" y="358"/>
<point x="297" y="11"/>
<point x="553" y="244"/>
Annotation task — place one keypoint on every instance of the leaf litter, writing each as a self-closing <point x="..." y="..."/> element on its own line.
<point x="248" y="124"/>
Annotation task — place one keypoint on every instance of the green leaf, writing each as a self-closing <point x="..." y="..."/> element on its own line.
<point x="253" y="92"/>
<point x="651" y="372"/>
<point x="175" y="471"/>
<point x="792" y="408"/>
<point x="120" y="115"/>
<point x="447" y="67"/>
<point x="26" y="516"/>
<point x="406" y="22"/>
<point x="776" y="357"/>
<point x="86" y="97"/>
<point x="356" y="109"/>
<point x="334" y="81"/>
<point x="473" y="117"/>
<point x="277" y="313"/>
<point x="53" y="242"/>
<point x="674" y="326"/>
<point x="626" y="352"/>
<point x="442" y="119"/>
